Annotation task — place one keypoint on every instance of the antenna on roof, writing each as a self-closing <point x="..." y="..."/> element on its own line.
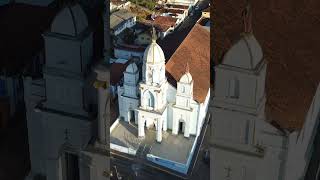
<point x="247" y="18"/>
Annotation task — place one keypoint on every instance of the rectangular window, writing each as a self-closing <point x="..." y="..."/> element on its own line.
<point x="234" y="88"/>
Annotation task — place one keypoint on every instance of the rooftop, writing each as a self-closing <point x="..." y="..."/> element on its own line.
<point x="123" y="14"/>
<point x="163" y="23"/>
<point x="290" y="44"/>
<point x="120" y="16"/>
<point x="116" y="70"/>
<point x="194" y="50"/>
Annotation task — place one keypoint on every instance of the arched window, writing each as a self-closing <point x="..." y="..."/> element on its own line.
<point x="149" y="99"/>
<point x="234" y="88"/>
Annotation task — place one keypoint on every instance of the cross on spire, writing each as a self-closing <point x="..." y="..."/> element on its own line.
<point x="187" y="68"/>
<point x="154" y="34"/>
<point x="247" y="18"/>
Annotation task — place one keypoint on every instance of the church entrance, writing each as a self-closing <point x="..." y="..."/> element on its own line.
<point x="181" y="127"/>
<point x="131" y="115"/>
<point x="71" y="167"/>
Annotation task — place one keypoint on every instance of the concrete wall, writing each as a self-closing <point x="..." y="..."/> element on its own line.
<point x="34" y="91"/>
<point x="56" y="139"/>
<point x="125" y="54"/>
<point x="68" y="55"/>
<point x="182" y="168"/>
<point x="118" y="147"/>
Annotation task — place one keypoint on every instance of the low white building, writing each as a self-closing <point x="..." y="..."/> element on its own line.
<point x="121" y="20"/>
<point x="118" y="4"/>
<point x="129" y="52"/>
<point x="178" y="103"/>
<point x="179" y="14"/>
<point x="182" y="2"/>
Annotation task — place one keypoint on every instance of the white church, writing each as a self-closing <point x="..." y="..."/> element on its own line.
<point x="153" y="102"/>
<point x="250" y="141"/>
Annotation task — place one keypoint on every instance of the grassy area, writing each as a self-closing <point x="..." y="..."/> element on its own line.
<point x="149" y="4"/>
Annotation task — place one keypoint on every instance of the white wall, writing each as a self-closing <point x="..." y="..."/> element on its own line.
<point x="124" y="54"/>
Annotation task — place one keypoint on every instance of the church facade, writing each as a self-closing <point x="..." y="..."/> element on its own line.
<point x="153" y="102"/>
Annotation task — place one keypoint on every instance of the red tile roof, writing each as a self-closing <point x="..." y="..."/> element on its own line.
<point x="194" y="50"/>
<point x="163" y="23"/>
<point x="116" y="71"/>
<point x="288" y="33"/>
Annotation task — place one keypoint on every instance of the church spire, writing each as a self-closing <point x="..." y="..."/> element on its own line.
<point x="154" y="34"/>
<point x="247" y="18"/>
<point x="187" y="68"/>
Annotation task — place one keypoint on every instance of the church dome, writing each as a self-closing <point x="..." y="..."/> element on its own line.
<point x="246" y="53"/>
<point x="71" y="21"/>
<point x="132" y="68"/>
<point x="153" y="53"/>
<point x="186" y="78"/>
